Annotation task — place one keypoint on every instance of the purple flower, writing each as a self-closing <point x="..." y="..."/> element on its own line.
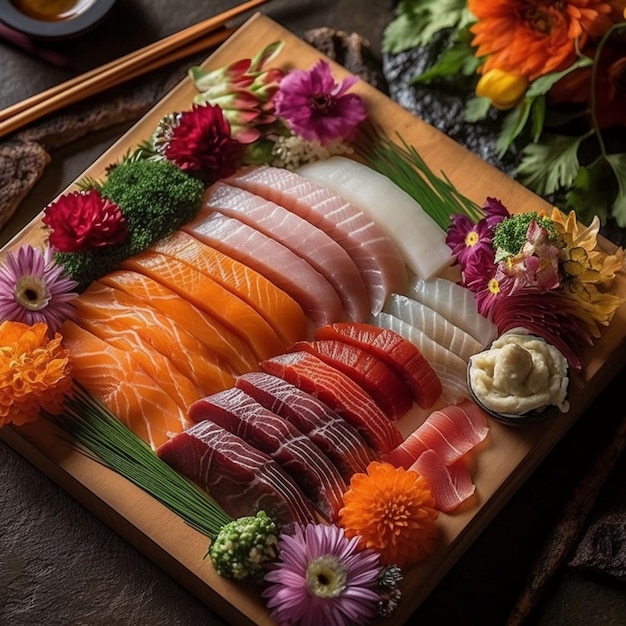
<point x="321" y="578"/>
<point x="317" y="108"/>
<point x="469" y="241"/>
<point x="495" y="211"/>
<point x="33" y="288"/>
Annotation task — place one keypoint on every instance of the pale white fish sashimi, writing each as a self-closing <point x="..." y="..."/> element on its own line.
<point x="450" y="368"/>
<point x="381" y="265"/>
<point x="303" y="238"/>
<point x="418" y="237"/>
<point x="277" y="263"/>
<point x="437" y="327"/>
<point x="456" y="304"/>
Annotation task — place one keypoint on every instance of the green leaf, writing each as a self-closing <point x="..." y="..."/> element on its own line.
<point x="618" y="209"/>
<point x="476" y="109"/>
<point x="543" y="84"/>
<point x="538" y="117"/>
<point x="512" y="125"/>
<point x="457" y="59"/>
<point x="588" y="195"/>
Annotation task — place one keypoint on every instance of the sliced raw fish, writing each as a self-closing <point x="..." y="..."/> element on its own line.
<point x="450" y="485"/>
<point x="210" y="296"/>
<point x="337" y="438"/>
<point x="450" y="368"/>
<point x="456" y="304"/>
<point x="437" y="327"/>
<point x="380" y="263"/>
<point x="373" y="375"/>
<point x="276" y="262"/>
<point x="241" y="479"/>
<point x="398" y="353"/>
<point x="303" y="238"/>
<point x="115" y="379"/>
<point x="239" y="413"/>
<point x="279" y="309"/>
<point x="338" y="391"/>
<point x="450" y="432"/>
<point x="220" y="340"/>
<point x="418" y="237"/>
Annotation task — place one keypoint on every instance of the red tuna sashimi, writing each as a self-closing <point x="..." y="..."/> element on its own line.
<point x="396" y="351"/>
<point x="450" y="485"/>
<point x="381" y="265"/>
<point x="451" y="432"/>
<point x="384" y="386"/>
<point x="335" y="437"/>
<point x="276" y="262"/>
<point x="241" y="479"/>
<point x="338" y="391"/>
<point x="242" y="415"/>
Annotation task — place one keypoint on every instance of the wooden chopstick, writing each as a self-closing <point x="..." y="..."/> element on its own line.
<point x="132" y="65"/>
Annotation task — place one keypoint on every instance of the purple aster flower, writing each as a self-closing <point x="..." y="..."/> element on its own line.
<point x="317" y="108"/>
<point x="33" y="288"/>
<point x="495" y="211"/>
<point x="467" y="240"/>
<point x="321" y="578"/>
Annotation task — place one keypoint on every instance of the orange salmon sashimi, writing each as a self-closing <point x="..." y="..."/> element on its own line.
<point x="113" y="377"/>
<point x="211" y="297"/>
<point x="227" y="345"/>
<point x="278" y="308"/>
<point x="126" y="323"/>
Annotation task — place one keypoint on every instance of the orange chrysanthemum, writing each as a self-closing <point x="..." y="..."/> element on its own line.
<point x="392" y="511"/>
<point x="34" y="372"/>
<point x="535" y="37"/>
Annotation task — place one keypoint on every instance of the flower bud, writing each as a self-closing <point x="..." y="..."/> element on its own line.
<point x="504" y="89"/>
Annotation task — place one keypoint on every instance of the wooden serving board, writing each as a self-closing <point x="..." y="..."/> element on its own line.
<point x="499" y="466"/>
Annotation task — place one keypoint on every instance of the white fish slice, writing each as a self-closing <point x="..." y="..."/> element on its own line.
<point x="418" y="237"/>
<point x="435" y="325"/>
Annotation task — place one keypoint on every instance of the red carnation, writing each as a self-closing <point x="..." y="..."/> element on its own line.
<point x="202" y="142"/>
<point x="83" y="220"/>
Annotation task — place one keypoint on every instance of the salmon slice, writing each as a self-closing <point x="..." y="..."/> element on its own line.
<point x="124" y="322"/>
<point x="279" y="309"/>
<point x="305" y="239"/>
<point x="276" y="262"/>
<point x="340" y="393"/>
<point x="220" y="340"/>
<point x="211" y="297"/>
<point x="113" y="377"/>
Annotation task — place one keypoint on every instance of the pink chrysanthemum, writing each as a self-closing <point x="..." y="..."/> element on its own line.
<point x="83" y="220"/>
<point x="321" y="578"/>
<point x="33" y="288"/>
<point x="495" y="211"/>
<point x="317" y="108"/>
<point x="468" y="240"/>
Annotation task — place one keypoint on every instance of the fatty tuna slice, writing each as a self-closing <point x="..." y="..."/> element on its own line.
<point x="303" y="238"/>
<point x="380" y="263"/>
<point x="373" y="375"/>
<point x="340" y="393"/>
<point x="241" y="479"/>
<point x="276" y="262"/>
<point x="335" y="437"/>
<point x="312" y="471"/>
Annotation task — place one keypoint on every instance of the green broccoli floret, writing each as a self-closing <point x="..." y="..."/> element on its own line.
<point x="510" y="234"/>
<point x="243" y="547"/>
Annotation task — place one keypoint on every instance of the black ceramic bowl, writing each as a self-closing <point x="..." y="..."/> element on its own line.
<point x="53" y="20"/>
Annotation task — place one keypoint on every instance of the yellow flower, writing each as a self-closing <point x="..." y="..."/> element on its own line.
<point x="504" y="89"/>
<point x="34" y="372"/>
<point x="392" y="511"/>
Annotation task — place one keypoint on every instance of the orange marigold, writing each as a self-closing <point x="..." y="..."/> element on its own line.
<point x="392" y="511"/>
<point x="535" y="37"/>
<point x="34" y="372"/>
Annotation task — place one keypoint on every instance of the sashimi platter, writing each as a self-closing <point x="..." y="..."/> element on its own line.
<point x="296" y="345"/>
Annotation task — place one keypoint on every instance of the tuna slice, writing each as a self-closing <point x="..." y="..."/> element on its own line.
<point x="241" y="479"/>
<point x="113" y="377"/>
<point x="340" y="393"/>
<point x="310" y="468"/>
<point x="276" y="262"/>
<point x="373" y="375"/>
<point x="450" y="432"/>
<point x="335" y="437"/>
<point x="396" y="351"/>
<point x="380" y="263"/>
<point x="303" y="238"/>
<point x="280" y="310"/>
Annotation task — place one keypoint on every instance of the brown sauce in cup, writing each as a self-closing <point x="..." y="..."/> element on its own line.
<point x="52" y="10"/>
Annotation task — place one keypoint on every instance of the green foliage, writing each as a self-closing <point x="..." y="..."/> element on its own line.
<point x="476" y="109"/>
<point x="510" y="234"/>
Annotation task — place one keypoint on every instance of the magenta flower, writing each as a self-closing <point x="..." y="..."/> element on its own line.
<point x="321" y="578"/>
<point x="469" y="242"/>
<point x="317" y="108"/>
<point x="495" y="211"/>
<point x="33" y="288"/>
